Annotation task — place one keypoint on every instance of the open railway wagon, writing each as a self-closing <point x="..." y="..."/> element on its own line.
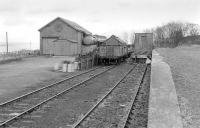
<point x="143" y="46"/>
<point x="112" y="51"/>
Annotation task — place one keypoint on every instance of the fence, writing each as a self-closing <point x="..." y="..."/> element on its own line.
<point x="88" y="61"/>
<point x="17" y="55"/>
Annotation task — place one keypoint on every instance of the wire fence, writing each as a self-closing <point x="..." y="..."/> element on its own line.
<point x="17" y="55"/>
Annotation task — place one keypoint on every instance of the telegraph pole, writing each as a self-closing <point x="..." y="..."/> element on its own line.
<point x="30" y="45"/>
<point x="6" y="42"/>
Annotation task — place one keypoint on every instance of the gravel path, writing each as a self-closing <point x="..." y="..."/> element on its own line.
<point x="66" y="110"/>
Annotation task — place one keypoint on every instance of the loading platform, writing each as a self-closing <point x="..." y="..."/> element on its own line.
<point x="164" y="111"/>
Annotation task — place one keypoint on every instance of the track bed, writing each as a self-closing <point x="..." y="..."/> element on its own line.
<point x="15" y="108"/>
<point x="67" y="109"/>
<point x="138" y="114"/>
<point x="114" y="110"/>
<point x="114" y="99"/>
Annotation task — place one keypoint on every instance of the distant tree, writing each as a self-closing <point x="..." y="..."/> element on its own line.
<point x="172" y="33"/>
<point x="175" y="32"/>
<point x="132" y="37"/>
<point x="193" y="29"/>
<point x="148" y="30"/>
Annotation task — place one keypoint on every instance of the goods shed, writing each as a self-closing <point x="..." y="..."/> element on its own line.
<point x="62" y="37"/>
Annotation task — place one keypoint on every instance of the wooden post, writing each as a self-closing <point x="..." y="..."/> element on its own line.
<point x="6" y="42"/>
<point x="93" y="61"/>
<point x="87" y="63"/>
<point x="30" y="45"/>
<point x="81" y="64"/>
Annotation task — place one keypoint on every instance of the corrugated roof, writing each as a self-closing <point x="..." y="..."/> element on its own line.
<point x="70" y="23"/>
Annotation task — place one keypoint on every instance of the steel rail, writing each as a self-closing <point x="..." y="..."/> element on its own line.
<point x="133" y="100"/>
<point x="96" y="105"/>
<point x="40" y="89"/>
<point x="5" y="123"/>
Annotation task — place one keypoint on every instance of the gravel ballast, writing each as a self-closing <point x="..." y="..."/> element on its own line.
<point x="111" y="113"/>
<point x="66" y="110"/>
<point x="139" y="112"/>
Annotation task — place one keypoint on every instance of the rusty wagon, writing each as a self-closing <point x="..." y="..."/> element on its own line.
<point x="112" y="51"/>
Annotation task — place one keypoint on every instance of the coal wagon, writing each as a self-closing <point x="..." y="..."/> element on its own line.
<point x="112" y="51"/>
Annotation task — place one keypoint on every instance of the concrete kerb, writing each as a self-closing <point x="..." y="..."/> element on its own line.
<point x="164" y="111"/>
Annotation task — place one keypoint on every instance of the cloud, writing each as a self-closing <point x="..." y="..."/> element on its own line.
<point x="38" y="6"/>
<point x="16" y="21"/>
<point x="124" y="4"/>
<point x="25" y="17"/>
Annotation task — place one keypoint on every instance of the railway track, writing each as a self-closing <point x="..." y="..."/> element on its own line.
<point x="40" y="89"/>
<point x="93" y="114"/>
<point x="138" y="113"/>
<point x="84" y="118"/>
<point x="20" y="106"/>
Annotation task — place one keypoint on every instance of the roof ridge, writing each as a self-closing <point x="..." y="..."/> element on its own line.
<point x="70" y="23"/>
<point x="76" y="26"/>
<point x="119" y="39"/>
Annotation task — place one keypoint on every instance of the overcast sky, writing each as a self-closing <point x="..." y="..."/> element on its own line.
<point x="22" y="18"/>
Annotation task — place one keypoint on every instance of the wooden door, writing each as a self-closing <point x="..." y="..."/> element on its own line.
<point x="48" y="46"/>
